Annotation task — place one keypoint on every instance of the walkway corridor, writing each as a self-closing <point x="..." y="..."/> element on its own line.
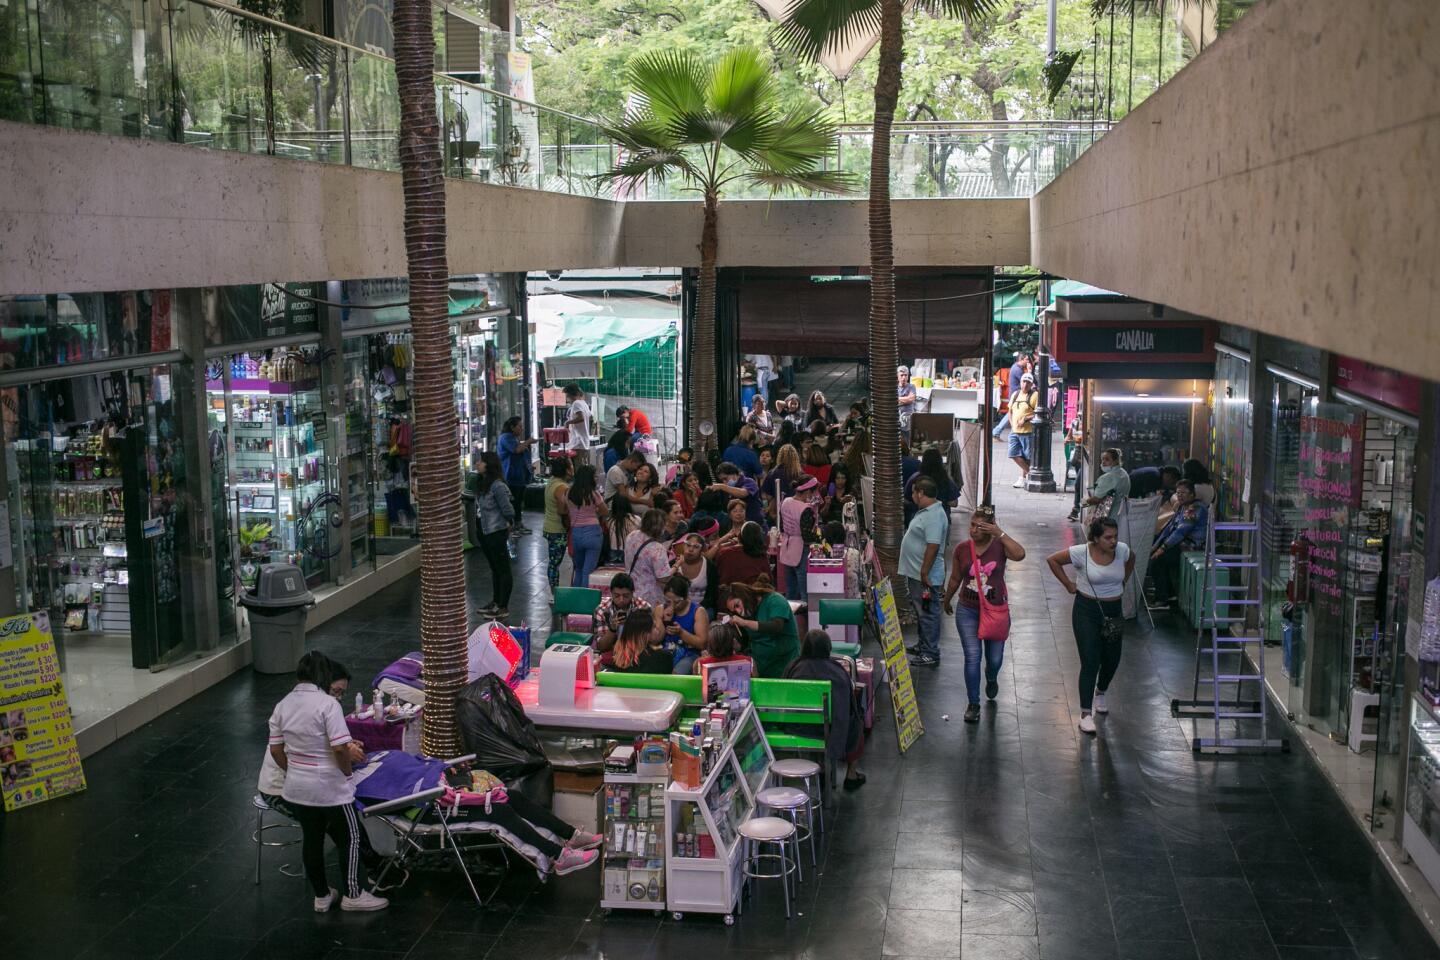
<point x="1014" y="838"/>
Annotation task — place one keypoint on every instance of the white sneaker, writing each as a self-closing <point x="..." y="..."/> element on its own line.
<point x="571" y="860"/>
<point x="323" y="904"/>
<point x="366" y="902"/>
<point x="1087" y="724"/>
<point x="1100" y="705"/>
<point x="1019" y="483"/>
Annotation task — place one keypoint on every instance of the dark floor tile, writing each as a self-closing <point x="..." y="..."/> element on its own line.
<point x="1317" y="953"/>
<point x="921" y="933"/>
<point x="999" y="912"/>
<point x="1140" y="876"/>
<point x="1203" y="859"/>
<point x="1231" y="940"/>
<point x="986" y="947"/>
<point x="1070" y="895"/>
<point x="1212" y="898"/>
<point x="1156" y="949"/>
<point x="926" y="890"/>
<point x="922" y="852"/>
<point x="1281" y="881"/>
<point x="1149" y="918"/>
<point x="198" y="944"/>
<point x="1076" y="937"/>
<point x="1303" y="923"/>
<point x="1065" y="855"/>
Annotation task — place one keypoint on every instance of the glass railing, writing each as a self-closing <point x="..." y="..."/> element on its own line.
<point x="202" y="73"/>
<point x="956" y="160"/>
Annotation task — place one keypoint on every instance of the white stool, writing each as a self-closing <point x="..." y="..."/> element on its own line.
<point x="772" y="831"/>
<point x="790" y="802"/>
<point x="258" y="837"/>
<point x="1359" y="701"/>
<point x="805" y="771"/>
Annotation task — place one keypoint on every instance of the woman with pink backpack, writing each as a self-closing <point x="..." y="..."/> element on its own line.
<point x="983" y="617"/>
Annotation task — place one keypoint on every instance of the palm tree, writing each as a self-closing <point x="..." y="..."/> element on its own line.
<point x="810" y="28"/>
<point x="265" y="36"/>
<point x="442" y="567"/>
<point x="712" y="124"/>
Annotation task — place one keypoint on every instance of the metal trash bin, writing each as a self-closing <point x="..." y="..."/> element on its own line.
<point x="278" y="607"/>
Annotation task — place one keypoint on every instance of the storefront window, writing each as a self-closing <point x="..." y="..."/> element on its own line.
<point x="379" y="445"/>
<point x="267" y="405"/>
<point x="1231" y="426"/>
<point x="101" y="509"/>
<point x="61" y="329"/>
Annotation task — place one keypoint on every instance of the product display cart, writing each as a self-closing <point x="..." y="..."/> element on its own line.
<point x="634" y="828"/>
<point x="1420" y="834"/>
<point x="702" y="825"/>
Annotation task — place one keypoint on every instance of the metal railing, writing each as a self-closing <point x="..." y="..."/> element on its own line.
<point x="208" y="74"/>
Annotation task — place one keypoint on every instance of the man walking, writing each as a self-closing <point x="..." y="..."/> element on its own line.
<point x="922" y="563"/>
<point x="1018" y="369"/>
<point x="1022" y="427"/>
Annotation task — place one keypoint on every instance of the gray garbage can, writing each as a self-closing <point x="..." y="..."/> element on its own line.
<point x="278" y="607"/>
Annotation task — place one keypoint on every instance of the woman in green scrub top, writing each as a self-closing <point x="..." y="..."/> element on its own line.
<point x="766" y="623"/>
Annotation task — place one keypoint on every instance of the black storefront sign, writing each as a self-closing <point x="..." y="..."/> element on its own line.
<point x="1107" y="348"/>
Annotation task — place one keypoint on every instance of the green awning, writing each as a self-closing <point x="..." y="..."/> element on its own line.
<point x="1014" y="306"/>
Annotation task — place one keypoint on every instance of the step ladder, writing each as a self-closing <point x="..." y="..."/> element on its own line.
<point x="1222" y="670"/>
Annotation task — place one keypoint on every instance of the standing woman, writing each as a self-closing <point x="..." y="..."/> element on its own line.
<point x="980" y="566"/>
<point x="1102" y="566"/>
<point x="495" y="513"/>
<point x="761" y="420"/>
<point x="645" y="485"/>
<point x="586" y="509"/>
<point x="820" y="410"/>
<point x="310" y="742"/>
<point x="556" y="490"/>
<point x="647" y="558"/>
<point x="788" y="472"/>
<point x="839" y="494"/>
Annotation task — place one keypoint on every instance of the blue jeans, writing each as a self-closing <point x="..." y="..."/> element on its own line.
<point x="685" y="666"/>
<point x="1000" y="427"/>
<point x="585" y="546"/>
<point x="795" y="578"/>
<point x="929" y="639"/>
<point x="967" y="624"/>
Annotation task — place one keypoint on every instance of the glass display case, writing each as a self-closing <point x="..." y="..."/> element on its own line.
<point x="634" y="831"/>
<point x="702" y="825"/>
<point x="268" y="406"/>
<point x="1149" y="434"/>
<point x="1421" y="833"/>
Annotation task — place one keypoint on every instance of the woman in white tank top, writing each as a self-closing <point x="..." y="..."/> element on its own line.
<point x="1101" y="566"/>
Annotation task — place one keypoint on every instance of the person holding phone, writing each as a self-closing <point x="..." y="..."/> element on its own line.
<point x="979" y="565"/>
<point x="686" y="624"/>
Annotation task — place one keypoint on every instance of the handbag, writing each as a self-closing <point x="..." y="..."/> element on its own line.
<point x="1112" y="629"/>
<point x="994" y="617"/>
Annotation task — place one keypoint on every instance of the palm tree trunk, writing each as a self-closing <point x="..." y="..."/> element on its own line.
<point x="884" y="353"/>
<point x="442" y="567"/>
<point x="702" y="343"/>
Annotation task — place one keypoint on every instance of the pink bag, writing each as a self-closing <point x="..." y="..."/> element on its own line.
<point x="994" y="617"/>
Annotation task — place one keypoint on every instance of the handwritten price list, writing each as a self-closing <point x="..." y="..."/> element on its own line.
<point x="902" y="690"/>
<point x="38" y="756"/>
<point x="1331" y="438"/>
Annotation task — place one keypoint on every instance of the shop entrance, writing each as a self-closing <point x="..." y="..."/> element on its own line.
<point x="268" y="440"/>
<point x="100" y="505"/>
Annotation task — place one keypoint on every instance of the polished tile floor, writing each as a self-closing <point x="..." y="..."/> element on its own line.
<point x="1013" y="838"/>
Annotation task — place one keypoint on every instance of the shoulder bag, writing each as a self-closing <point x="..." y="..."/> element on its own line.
<point x="1111" y="628"/>
<point x="994" y="617"/>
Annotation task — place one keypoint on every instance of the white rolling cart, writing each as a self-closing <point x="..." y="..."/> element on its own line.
<point x="703" y="848"/>
<point x="635" y="821"/>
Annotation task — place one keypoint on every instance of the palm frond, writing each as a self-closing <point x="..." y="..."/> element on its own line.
<point x="1103" y="8"/>
<point x="740" y="84"/>
<point x="810" y="181"/>
<point x="813" y="27"/>
<point x="967" y="10"/>
<point x="1057" y="70"/>
<point x="650" y="165"/>
<point x="671" y="83"/>
<point x="744" y="133"/>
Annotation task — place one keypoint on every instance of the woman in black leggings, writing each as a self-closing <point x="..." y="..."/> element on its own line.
<point x="1102" y="567"/>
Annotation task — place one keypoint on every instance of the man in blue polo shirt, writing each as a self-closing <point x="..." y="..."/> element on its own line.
<point x="922" y="563"/>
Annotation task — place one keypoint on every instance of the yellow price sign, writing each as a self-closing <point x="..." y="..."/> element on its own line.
<point x="38" y="756"/>
<point x="892" y="643"/>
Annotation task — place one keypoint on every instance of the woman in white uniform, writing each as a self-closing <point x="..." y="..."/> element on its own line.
<point x="310" y="742"/>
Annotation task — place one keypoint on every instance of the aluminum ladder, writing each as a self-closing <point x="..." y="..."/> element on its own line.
<point x="1221" y="663"/>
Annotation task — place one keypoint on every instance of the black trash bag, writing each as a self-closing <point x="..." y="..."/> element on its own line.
<point x="494" y="727"/>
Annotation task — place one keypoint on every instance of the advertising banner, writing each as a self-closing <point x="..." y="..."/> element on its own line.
<point x="902" y="691"/>
<point x="38" y="756"/>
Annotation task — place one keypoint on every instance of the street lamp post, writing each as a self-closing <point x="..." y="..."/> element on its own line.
<point x="1040" y="478"/>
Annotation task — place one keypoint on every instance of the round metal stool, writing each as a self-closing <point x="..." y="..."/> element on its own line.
<point x="790" y="803"/>
<point x="262" y="807"/>
<point x="758" y="833"/>
<point x="808" y="773"/>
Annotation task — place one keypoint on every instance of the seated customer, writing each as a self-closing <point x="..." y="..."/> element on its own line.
<point x="610" y="615"/>
<point x="746" y="561"/>
<point x="722" y="642"/>
<point x="640" y="647"/>
<point x="847" y="733"/>
<point x="685" y="623"/>
<point x="1184" y="531"/>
